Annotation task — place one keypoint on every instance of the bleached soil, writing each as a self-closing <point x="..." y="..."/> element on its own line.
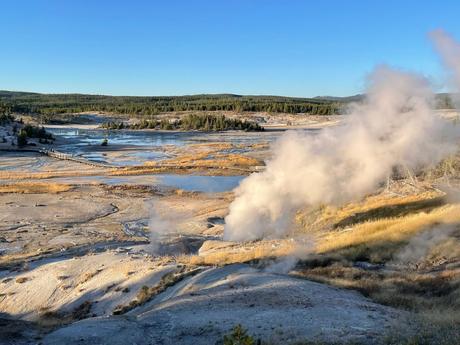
<point x="276" y="308"/>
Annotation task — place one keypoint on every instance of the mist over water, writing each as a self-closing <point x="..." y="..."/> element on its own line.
<point x="395" y="126"/>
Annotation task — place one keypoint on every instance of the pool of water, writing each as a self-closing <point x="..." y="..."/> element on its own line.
<point x="192" y="183"/>
<point x="135" y="147"/>
<point x="124" y="158"/>
<point x="198" y="183"/>
<point x="85" y="137"/>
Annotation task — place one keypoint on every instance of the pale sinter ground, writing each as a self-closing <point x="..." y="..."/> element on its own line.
<point x="74" y="249"/>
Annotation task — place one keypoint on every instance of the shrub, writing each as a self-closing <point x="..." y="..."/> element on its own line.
<point x="36" y="132"/>
<point x="21" y="280"/>
<point x="238" y="336"/>
<point x="5" y="118"/>
<point x="22" y="138"/>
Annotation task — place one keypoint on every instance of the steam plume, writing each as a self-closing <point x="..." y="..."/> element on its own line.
<point x="449" y="51"/>
<point x="394" y="126"/>
<point x="420" y="245"/>
<point x="159" y="226"/>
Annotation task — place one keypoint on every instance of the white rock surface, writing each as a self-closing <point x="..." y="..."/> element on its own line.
<point x="277" y="308"/>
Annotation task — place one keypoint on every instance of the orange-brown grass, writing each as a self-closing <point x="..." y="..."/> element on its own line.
<point x="242" y="253"/>
<point x="388" y="231"/>
<point x="374" y="207"/>
<point x="20" y="175"/>
<point x="34" y="187"/>
<point x="376" y="231"/>
<point x="207" y="155"/>
<point x="399" y="288"/>
<point x="202" y="160"/>
<point x="211" y="146"/>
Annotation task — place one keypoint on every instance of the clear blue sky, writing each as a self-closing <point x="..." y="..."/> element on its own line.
<point x="172" y="47"/>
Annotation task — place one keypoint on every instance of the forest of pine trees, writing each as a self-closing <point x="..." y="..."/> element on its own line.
<point x="198" y="122"/>
<point x="46" y="106"/>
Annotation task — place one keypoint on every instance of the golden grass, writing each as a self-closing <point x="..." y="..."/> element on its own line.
<point x="34" y="187"/>
<point x="129" y="171"/>
<point x="206" y="160"/>
<point x="21" y="175"/>
<point x="388" y="229"/>
<point x="378" y="206"/>
<point x="206" y="156"/>
<point x="241" y="253"/>
<point x="424" y="292"/>
<point x="375" y="231"/>
<point x="380" y="201"/>
<point x="211" y="146"/>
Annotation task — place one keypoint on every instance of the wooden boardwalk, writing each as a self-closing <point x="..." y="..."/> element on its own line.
<point x="70" y="157"/>
<point x="62" y="156"/>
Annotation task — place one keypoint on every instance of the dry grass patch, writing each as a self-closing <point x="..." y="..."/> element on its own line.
<point x="383" y="205"/>
<point x="239" y="253"/>
<point x="34" y="187"/>
<point x="388" y="231"/>
<point x="53" y="318"/>
<point x="366" y="256"/>
<point x="208" y="160"/>
<point x="22" y="280"/>
<point x="88" y="276"/>
<point x="21" y="175"/>
<point x="207" y="155"/>
<point x="146" y="293"/>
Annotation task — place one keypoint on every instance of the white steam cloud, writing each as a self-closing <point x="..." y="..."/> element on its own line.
<point x="160" y="226"/>
<point x="420" y="245"/>
<point x="449" y="51"/>
<point x="394" y="126"/>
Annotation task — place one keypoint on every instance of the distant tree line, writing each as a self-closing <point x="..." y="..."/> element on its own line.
<point x="47" y="105"/>
<point x="199" y="122"/>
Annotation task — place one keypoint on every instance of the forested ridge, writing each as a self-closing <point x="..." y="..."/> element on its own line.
<point x="47" y="105"/>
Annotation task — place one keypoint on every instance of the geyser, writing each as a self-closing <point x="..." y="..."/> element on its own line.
<point x="394" y="126"/>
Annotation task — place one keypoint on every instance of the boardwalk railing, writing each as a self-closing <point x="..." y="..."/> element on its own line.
<point x="70" y="157"/>
<point x="73" y="158"/>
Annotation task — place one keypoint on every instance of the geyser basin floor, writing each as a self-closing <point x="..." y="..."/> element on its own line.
<point x="77" y="242"/>
<point x="201" y="309"/>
